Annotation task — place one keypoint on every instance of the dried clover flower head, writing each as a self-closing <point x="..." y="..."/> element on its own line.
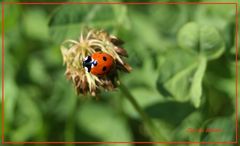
<point x="92" y="41"/>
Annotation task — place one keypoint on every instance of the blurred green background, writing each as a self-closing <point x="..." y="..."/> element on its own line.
<point x="184" y="73"/>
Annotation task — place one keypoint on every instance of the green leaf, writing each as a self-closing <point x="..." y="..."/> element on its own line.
<point x="102" y="122"/>
<point x="218" y="101"/>
<point x="29" y="121"/>
<point x="35" y="24"/>
<point x="11" y="95"/>
<point x="142" y="88"/>
<point x="211" y="43"/>
<point x="215" y="15"/>
<point x="193" y="121"/>
<point x="225" y="133"/>
<point x="162" y="110"/>
<point x="146" y="71"/>
<point x="145" y="31"/>
<point x="63" y="98"/>
<point x="174" y="17"/>
<point x="174" y="76"/>
<point x="182" y="79"/>
<point x="11" y="89"/>
<point x="196" y="88"/>
<point x="203" y="39"/>
<point x="188" y="36"/>
<point x="68" y="20"/>
<point x="141" y="94"/>
<point x="37" y="71"/>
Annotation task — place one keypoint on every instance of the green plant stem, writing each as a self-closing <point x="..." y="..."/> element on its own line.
<point x="152" y="129"/>
<point x="70" y="125"/>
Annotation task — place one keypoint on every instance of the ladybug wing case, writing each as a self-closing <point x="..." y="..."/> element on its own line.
<point x="103" y="64"/>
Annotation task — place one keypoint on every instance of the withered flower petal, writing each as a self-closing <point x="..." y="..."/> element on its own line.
<point x="92" y="41"/>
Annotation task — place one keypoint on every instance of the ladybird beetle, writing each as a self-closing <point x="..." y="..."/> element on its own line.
<point x="98" y="63"/>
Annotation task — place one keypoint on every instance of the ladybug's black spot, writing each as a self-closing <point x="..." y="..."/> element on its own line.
<point x="104" y="58"/>
<point x="104" y="68"/>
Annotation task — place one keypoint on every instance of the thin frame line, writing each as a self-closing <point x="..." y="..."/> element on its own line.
<point x="2" y="72"/>
<point x="180" y="142"/>
<point x="129" y="3"/>
<point x="237" y="72"/>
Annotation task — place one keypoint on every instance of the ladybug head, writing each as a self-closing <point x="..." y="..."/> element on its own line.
<point x="89" y="63"/>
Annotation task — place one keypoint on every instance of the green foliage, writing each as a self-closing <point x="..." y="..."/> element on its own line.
<point x="71" y="19"/>
<point x="182" y="80"/>
<point x="184" y="73"/>
<point x="106" y="118"/>
<point x="188" y="37"/>
<point x="31" y="25"/>
<point x="205" y="40"/>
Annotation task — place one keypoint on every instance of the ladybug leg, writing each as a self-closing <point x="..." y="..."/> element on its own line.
<point x="87" y="68"/>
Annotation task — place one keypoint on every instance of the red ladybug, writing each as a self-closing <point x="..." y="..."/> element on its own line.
<point x="98" y="63"/>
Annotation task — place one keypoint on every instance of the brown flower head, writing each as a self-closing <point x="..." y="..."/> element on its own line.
<point x="92" y="41"/>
